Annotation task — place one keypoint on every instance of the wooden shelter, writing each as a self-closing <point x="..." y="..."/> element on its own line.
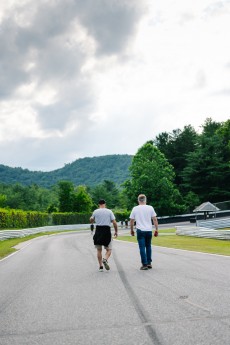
<point x="206" y="207"/>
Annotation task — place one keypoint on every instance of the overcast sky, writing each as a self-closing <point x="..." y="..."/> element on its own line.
<point x="84" y="78"/>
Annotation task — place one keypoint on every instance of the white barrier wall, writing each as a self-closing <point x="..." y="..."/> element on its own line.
<point x="6" y="234"/>
<point x="203" y="232"/>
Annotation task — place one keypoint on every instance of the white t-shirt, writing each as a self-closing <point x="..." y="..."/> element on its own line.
<point x="143" y="214"/>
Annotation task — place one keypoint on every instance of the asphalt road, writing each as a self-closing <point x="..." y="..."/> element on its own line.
<point x="51" y="293"/>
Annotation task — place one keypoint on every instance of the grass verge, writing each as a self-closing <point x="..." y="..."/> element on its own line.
<point x="205" y="245"/>
<point x="172" y="230"/>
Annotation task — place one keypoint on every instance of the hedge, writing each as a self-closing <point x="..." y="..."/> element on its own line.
<point x="121" y="215"/>
<point x="18" y="219"/>
<point x="65" y="218"/>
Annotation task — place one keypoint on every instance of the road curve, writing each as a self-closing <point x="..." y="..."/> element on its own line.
<point x="51" y="293"/>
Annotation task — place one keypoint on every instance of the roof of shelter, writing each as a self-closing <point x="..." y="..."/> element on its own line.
<point x="206" y="207"/>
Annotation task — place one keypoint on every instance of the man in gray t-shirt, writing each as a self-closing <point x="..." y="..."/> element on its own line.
<point x="103" y="218"/>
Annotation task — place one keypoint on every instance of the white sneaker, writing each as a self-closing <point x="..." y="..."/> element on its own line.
<point x="101" y="269"/>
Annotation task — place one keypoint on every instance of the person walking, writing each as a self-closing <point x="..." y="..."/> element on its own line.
<point x="103" y="217"/>
<point x="145" y="216"/>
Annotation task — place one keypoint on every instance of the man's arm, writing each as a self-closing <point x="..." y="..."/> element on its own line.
<point x="131" y="226"/>
<point x="115" y="228"/>
<point x="91" y="219"/>
<point x="155" y="221"/>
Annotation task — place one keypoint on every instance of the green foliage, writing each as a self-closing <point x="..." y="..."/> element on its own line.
<point x="191" y="200"/>
<point x="205" y="245"/>
<point x="65" y="218"/>
<point x="176" y="146"/>
<point x="152" y="175"/>
<point x="83" y="171"/>
<point x="3" y="199"/>
<point x="66" y="196"/>
<point x="33" y="198"/>
<point x="207" y="173"/>
<point x="22" y="219"/>
<point x="108" y="191"/>
<point x="74" y="200"/>
<point x="201" y="161"/>
<point x="196" y="164"/>
<point x="82" y="201"/>
<point x="121" y="215"/>
<point x="52" y="208"/>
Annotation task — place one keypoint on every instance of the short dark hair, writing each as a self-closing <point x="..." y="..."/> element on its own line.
<point x="101" y="202"/>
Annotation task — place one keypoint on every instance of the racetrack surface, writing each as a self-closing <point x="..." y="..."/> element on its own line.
<point x="51" y="293"/>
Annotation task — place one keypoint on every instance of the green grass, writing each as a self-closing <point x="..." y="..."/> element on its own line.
<point x="173" y="230"/>
<point x="205" y="245"/>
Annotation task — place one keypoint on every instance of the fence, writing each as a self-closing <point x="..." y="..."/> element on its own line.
<point x="202" y="232"/>
<point x="214" y="223"/>
<point x="7" y="234"/>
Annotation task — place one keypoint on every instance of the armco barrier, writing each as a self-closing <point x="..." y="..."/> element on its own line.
<point x="6" y="234"/>
<point x="214" y="223"/>
<point x="203" y="232"/>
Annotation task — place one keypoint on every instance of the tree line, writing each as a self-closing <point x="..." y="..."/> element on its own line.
<point x="177" y="171"/>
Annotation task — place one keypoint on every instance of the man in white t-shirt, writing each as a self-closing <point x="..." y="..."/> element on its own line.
<point x="144" y="215"/>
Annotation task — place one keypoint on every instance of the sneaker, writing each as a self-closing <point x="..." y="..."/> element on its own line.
<point x="105" y="263"/>
<point x="101" y="269"/>
<point x="144" y="268"/>
<point x="149" y="266"/>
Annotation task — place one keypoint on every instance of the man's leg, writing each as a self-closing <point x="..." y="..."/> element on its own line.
<point x="99" y="256"/>
<point x="148" y="240"/>
<point x="141" y="243"/>
<point x="108" y="253"/>
<point x="105" y="260"/>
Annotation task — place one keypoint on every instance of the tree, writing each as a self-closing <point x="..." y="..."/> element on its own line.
<point x="32" y="197"/>
<point x="108" y="191"/>
<point x="207" y="173"/>
<point x="176" y="146"/>
<point x="191" y="200"/>
<point x="3" y="199"/>
<point x="65" y="193"/>
<point x="152" y="175"/>
<point x="82" y="201"/>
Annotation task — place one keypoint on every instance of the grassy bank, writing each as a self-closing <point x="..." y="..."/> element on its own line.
<point x="205" y="245"/>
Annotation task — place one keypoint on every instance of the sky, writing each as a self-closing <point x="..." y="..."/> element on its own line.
<point x="99" y="77"/>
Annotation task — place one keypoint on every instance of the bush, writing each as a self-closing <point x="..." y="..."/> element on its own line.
<point x="121" y="215"/>
<point x="17" y="219"/>
<point x="65" y="218"/>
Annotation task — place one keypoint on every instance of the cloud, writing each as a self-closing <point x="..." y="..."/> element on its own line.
<point x="85" y="78"/>
<point x="47" y="45"/>
<point x="111" y="23"/>
<point x="49" y="53"/>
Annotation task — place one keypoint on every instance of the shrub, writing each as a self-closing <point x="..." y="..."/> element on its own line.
<point x="18" y="219"/>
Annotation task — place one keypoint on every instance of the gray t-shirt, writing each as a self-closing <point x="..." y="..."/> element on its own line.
<point x="103" y="216"/>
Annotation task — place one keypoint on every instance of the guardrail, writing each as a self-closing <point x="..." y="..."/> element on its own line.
<point x="203" y="232"/>
<point x="7" y="234"/>
<point x="214" y="223"/>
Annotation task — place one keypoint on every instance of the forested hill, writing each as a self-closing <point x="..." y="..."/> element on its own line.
<point x="87" y="171"/>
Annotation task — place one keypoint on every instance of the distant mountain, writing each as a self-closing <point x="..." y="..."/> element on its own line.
<point x="87" y="171"/>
